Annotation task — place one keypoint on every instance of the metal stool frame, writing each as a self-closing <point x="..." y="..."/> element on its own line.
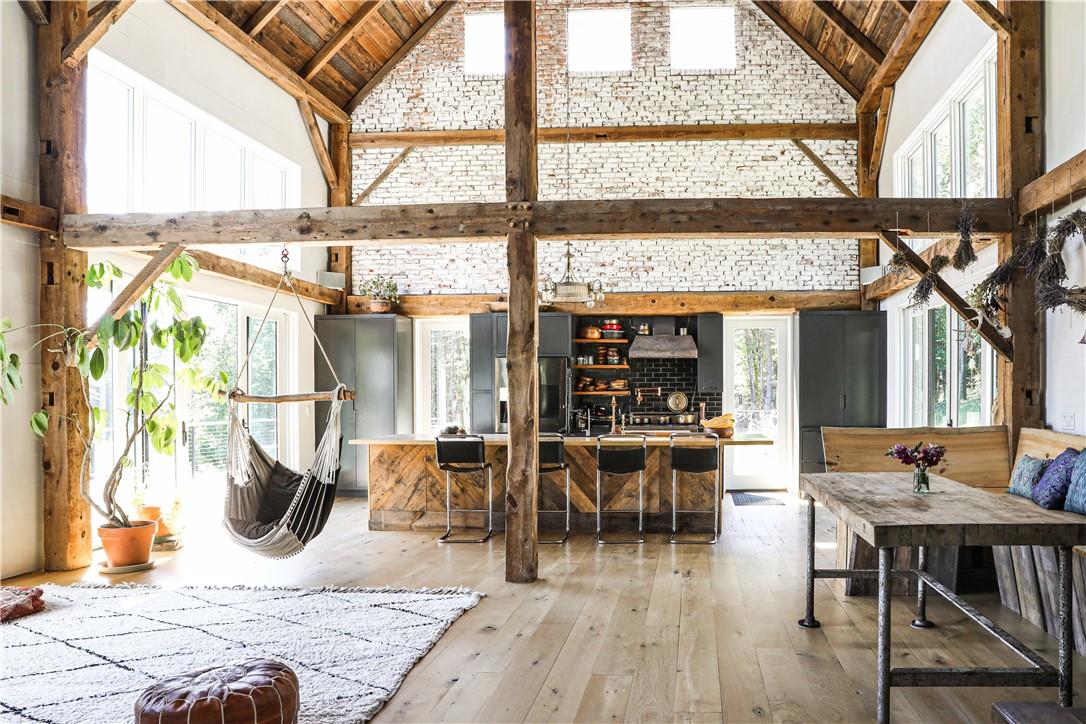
<point x="553" y="438"/>
<point x="462" y="468"/>
<point x="717" y="485"/>
<point x="640" y="489"/>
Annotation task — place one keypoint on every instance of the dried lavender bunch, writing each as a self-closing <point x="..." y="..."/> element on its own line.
<point x="1078" y="218"/>
<point x="1053" y="270"/>
<point x="1033" y="252"/>
<point x="1064" y="229"/>
<point x="965" y="253"/>
<point x="898" y="262"/>
<point x="926" y="286"/>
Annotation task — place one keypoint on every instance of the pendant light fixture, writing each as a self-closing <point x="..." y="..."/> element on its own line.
<point x="568" y="290"/>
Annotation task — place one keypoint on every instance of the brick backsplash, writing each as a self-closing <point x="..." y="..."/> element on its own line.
<point x="774" y="81"/>
<point x="673" y="375"/>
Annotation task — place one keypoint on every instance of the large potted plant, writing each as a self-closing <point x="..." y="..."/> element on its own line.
<point x="158" y="320"/>
<point x="382" y="291"/>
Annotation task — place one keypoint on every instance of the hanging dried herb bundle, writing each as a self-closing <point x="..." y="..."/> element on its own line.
<point x="965" y="253"/>
<point x="926" y="286"/>
<point x="1053" y="270"/>
<point x="1033" y="252"/>
<point x="1065" y="228"/>
<point x="898" y="263"/>
<point x="1054" y="295"/>
<point x="1078" y="218"/>
<point x="987" y="297"/>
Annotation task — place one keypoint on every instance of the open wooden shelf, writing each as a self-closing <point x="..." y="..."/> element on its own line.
<point x="609" y="393"/>
<point x="601" y="367"/>
<point x="602" y="341"/>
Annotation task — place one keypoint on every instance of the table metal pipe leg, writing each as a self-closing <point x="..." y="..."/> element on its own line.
<point x="921" y="620"/>
<point x="809" y="620"/>
<point x="1065" y="651"/>
<point x="882" y="678"/>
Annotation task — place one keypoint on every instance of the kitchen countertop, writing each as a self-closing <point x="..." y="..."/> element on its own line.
<point x="657" y="440"/>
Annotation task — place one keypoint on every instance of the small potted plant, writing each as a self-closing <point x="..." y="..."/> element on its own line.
<point x="383" y="293"/>
<point x="921" y="457"/>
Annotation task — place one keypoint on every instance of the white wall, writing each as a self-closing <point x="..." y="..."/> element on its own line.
<point x="159" y="43"/>
<point x="20" y="473"/>
<point x="1065" y="135"/>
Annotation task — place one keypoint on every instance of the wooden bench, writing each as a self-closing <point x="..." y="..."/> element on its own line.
<point x="979" y="457"/>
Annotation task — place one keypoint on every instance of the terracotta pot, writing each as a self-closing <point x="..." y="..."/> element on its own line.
<point x="128" y="546"/>
<point x="380" y="306"/>
<point x="154" y="512"/>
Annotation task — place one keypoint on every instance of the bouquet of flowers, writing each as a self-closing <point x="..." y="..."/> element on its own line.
<point x="921" y="457"/>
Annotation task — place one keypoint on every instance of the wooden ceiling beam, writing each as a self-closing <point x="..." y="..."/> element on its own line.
<point x="990" y="15"/>
<point x="909" y="39"/>
<point x="988" y="333"/>
<point x="324" y="159"/>
<point x="878" y="147"/>
<point x="770" y="218"/>
<point x="402" y="52"/>
<point x="219" y="27"/>
<point x="816" y="55"/>
<point x="28" y="215"/>
<point x="137" y="285"/>
<point x="856" y="36"/>
<point x="824" y="168"/>
<point x="392" y="166"/>
<point x="97" y="26"/>
<point x="1055" y="189"/>
<point x="629" y="303"/>
<point x="262" y="16"/>
<point x="614" y="134"/>
<point x="341" y="38"/>
<point x="36" y="10"/>
<point x="891" y="283"/>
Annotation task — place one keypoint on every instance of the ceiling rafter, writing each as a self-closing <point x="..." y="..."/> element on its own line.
<point x="36" y="10"/>
<point x="98" y="25"/>
<point x="263" y="16"/>
<point x="909" y="39"/>
<point x="991" y="16"/>
<point x="341" y="38"/>
<point x="856" y="36"/>
<point x="809" y="48"/>
<point x="324" y="158"/>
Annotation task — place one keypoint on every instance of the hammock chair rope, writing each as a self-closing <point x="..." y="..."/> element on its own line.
<point x="254" y="478"/>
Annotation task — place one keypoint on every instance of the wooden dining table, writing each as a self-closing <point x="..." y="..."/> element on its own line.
<point x="882" y="509"/>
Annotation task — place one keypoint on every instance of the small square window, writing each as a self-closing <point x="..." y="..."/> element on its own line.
<point x="599" y="40"/>
<point x="702" y="38"/>
<point x="484" y="44"/>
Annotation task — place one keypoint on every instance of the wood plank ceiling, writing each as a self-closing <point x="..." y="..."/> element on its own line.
<point x="357" y="37"/>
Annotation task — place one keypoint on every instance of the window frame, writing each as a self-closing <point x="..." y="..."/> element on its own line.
<point x="731" y="15"/>
<point x="625" y="10"/>
<point x="423" y="394"/>
<point x="500" y="71"/>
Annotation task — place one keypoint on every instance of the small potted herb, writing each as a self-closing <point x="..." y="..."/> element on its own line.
<point x="383" y="293"/>
<point x="921" y="457"/>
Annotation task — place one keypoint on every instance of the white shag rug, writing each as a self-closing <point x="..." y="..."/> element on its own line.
<point x="86" y="657"/>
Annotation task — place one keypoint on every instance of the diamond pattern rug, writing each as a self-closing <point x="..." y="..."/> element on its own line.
<point x="90" y="653"/>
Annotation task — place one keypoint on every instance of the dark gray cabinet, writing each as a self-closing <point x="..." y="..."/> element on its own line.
<point x="710" y="339"/>
<point x="481" y="374"/>
<point x="842" y="377"/>
<point x="555" y="334"/>
<point x="372" y="354"/>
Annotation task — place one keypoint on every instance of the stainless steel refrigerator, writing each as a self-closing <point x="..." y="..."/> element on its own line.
<point x="554" y="390"/>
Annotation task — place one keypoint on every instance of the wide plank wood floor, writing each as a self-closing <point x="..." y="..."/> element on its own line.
<point x="634" y="633"/>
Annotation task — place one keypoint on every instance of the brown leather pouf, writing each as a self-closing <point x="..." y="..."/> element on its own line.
<point x="257" y="691"/>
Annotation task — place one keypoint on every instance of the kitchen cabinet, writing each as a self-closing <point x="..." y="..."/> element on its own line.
<point x="481" y="354"/>
<point x="710" y="339"/>
<point x="372" y="354"/>
<point x="555" y="334"/>
<point x="842" y="377"/>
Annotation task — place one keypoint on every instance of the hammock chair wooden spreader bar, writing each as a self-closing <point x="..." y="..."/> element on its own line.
<point x="257" y="514"/>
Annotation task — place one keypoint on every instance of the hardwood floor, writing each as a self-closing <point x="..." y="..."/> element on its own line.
<point x="643" y="633"/>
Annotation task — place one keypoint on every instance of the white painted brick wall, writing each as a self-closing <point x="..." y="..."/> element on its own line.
<point x="774" y="82"/>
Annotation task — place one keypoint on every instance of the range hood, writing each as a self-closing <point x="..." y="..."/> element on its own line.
<point x="663" y="346"/>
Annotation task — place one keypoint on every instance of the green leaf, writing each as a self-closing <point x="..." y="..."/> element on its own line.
<point x="116" y="270"/>
<point x="39" y="422"/>
<point x="98" y="363"/>
<point x="94" y="276"/>
<point x="105" y="328"/>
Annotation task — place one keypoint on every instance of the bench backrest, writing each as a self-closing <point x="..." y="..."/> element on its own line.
<point x="1046" y="443"/>
<point x="976" y="456"/>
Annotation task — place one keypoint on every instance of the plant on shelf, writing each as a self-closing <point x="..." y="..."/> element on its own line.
<point x="921" y="457"/>
<point x="157" y="321"/>
<point x="383" y="292"/>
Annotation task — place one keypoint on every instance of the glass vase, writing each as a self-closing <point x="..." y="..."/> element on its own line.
<point x="920" y="481"/>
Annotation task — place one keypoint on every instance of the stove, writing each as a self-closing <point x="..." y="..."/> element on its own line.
<point x="662" y="429"/>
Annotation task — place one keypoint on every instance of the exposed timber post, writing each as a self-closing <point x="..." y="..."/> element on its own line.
<point x="521" y="186"/>
<point x="1021" y="160"/>
<point x="339" y="257"/>
<point x="868" y="186"/>
<point x="63" y="296"/>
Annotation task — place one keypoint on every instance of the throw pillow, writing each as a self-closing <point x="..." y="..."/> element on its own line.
<point x="1051" y="490"/>
<point x="1026" y="474"/>
<point x="1076" y="494"/>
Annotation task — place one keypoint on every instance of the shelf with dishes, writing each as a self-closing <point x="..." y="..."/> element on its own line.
<point x="602" y="340"/>
<point x="608" y="393"/>
<point x="601" y="367"/>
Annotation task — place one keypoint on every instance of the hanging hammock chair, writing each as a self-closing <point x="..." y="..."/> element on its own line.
<point x="270" y="509"/>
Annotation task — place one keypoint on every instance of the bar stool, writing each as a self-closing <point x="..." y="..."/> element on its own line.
<point x="621" y="455"/>
<point x="552" y="459"/>
<point x="695" y="452"/>
<point x="464" y="454"/>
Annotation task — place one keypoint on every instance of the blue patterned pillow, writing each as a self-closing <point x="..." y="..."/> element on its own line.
<point x="1051" y="490"/>
<point x="1026" y="474"/>
<point x="1076" y="494"/>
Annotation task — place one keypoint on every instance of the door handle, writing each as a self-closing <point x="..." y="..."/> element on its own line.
<point x="184" y="434"/>
<point x="844" y="402"/>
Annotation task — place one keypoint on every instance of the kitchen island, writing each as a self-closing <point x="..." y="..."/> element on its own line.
<point x="407" y="489"/>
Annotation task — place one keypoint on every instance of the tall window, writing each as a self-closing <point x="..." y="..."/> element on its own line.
<point x="149" y="150"/>
<point x="484" y="44"/>
<point x="702" y="38"/>
<point x="442" y="396"/>
<point x="599" y="40"/>
<point x="950" y="373"/>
